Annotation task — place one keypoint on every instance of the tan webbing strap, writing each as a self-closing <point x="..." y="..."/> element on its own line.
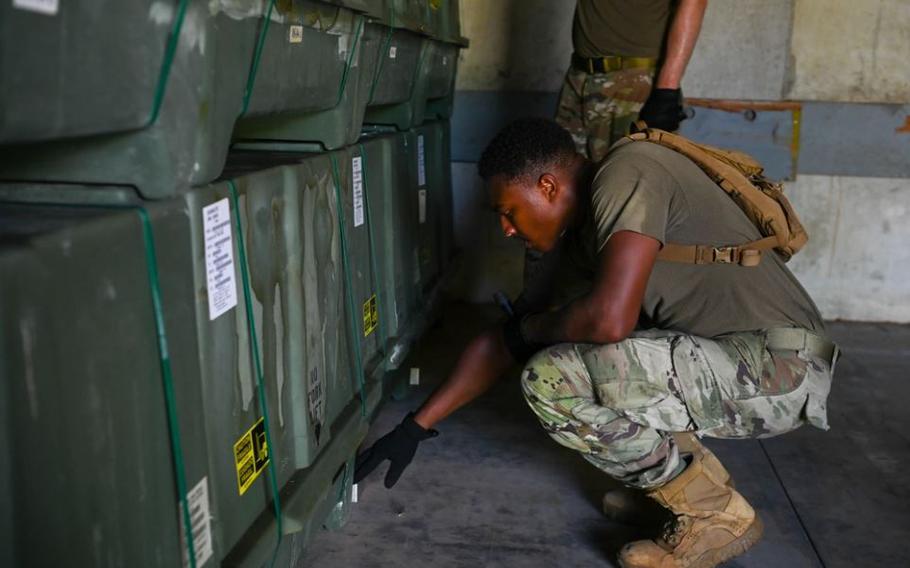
<point x="740" y="176"/>
<point x="798" y="339"/>
<point x="748" y="254"/>
<point x="732" y="180"/>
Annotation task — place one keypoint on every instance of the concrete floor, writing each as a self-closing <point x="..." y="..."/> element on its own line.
<point x="494" y="490"/>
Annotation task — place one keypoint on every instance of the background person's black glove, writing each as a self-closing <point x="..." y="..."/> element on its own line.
<point x="663" y="109"/>
<point x="398" y="446"/>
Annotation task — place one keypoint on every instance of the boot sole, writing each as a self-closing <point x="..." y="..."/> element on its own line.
<point x="714" y="557"/>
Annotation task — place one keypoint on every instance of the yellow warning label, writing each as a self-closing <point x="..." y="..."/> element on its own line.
<point x="370" y="315"/>
<point x="251" y="455"/>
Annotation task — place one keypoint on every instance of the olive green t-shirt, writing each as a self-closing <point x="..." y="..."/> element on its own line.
<point x="655" y="191"/>
<point x="634" y="28"/>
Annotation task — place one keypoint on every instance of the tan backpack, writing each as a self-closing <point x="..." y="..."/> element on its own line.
<point x="762" y="200"/>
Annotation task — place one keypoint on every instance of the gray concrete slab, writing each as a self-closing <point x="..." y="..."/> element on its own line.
<point x="785" y="543"/>
<point x="493" y="490"/>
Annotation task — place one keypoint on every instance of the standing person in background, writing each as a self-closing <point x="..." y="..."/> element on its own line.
<point x="614" y="79"/>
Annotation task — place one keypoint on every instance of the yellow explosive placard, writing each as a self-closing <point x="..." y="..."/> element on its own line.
<point x="370" y="315"/>
<point x="251" y="455"/>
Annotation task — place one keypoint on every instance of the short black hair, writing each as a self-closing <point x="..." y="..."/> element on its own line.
<point x="526" y="146"/>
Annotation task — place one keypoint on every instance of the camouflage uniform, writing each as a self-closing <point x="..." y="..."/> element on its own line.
<point x="597" y="109"/>
<point x="617" y="403"/>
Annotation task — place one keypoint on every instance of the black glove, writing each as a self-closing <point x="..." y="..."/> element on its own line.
<point x="398" y="446"/>
<point x="663" y="109"/>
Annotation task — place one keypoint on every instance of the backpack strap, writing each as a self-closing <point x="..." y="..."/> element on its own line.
<point x="747" y="254"/>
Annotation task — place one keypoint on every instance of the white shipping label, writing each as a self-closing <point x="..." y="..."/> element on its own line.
<point x="415" y="376"/>
<point x="393" y="52"/>
<point x="219" y="258"/>
<point x="49" y="7"/>
<point x="357" y="179"/>
<point x="421" y="163"/>
<point x="422" y="204"/>
<point x="295" y="34"/>
<point x="197" y="499"/>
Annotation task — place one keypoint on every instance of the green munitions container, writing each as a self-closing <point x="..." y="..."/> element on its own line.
<point x="399" y="96"/>
<point x="71" y="96"/>
<point x="441" y="62"/>
<point x="84" y="407"/>
<point x="392" y="206"/>
<point x="298" y="293"/>
<point x="314" y="75"/>
<point x="415" y="71"/>
<point x="445" y="26"/>
<point x="141" y="93"/>
<point x="431" y="176"/>
<point x="445" y="21"/>
<point x="410" y="15"/>
<point x="394" y="77"/>
<point x="302" y="296"/>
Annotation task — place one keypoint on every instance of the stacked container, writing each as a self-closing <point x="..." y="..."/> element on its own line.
<point x="192" y="337"/>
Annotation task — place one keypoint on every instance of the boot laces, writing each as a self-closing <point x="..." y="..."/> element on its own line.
<point x="675" y="529"/>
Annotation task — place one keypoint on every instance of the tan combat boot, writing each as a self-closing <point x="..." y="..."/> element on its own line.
<point x="627" y="505"/>
<point x="688" y="443"/>
<point x="713" y="523"/>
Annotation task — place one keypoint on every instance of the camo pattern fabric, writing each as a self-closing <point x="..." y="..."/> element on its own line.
<point x="617" y="403"/>
<point x="598" y="109"/>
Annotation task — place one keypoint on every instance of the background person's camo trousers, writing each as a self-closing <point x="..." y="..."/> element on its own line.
<point x="617" y="403"/>
<point x="598" y="108"/>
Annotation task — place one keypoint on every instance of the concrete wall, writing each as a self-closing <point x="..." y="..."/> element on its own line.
<point x="851" y="50"/>
<point x="516" y="45"/>
<point x="856" y="263"/>
<point x="853" y="173"/>
<point x="742" y="51"/>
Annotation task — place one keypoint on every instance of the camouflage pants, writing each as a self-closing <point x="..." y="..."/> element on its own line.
<point x="597" y="109"/>
<point x="617" y="403"/>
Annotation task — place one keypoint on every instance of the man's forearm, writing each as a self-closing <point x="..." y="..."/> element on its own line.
<point x="681" y="42"/>
<point x="480" y="366"/>
<point x="578" y="322"/>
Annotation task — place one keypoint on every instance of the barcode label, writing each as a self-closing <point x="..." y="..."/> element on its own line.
<point x="421" y="163"/>
<point x="219" y="258"/>
<point x="393" y="52"/>
<point x="200" y="524"/>
<point x="357" y="178"/>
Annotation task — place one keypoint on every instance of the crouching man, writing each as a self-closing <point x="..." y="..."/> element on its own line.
<point x="649" y="349"/>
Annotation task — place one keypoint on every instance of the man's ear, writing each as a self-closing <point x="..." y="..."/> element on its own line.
<point x="548" y="186"/>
